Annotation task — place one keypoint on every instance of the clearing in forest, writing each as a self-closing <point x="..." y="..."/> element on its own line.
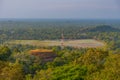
<point x="81" y="43"/>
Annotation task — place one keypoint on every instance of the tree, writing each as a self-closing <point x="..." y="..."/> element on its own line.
<point x="93" y="56"/>
<point x="5" y="52"/>
<point x="13" y="71"/>
<point x="44" y="75"/>
<point x="110" y="71"/>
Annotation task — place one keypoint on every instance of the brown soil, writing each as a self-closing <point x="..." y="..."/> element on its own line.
<point x="44" y="54"/>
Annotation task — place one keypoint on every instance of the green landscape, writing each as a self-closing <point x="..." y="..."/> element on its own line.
<point x="59" y="39"/>
<point x="55" y="50"/>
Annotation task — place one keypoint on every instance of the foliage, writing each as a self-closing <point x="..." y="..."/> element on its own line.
<point x="5" y="52"/>
<point x="111" y="70"/>
<point x="12" y="71"/>
<point x="70" y="63"/>
<point x="93" y="56"/>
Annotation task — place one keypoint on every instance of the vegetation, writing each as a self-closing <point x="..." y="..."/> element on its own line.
<point x="82" y="43"/>
<point x="16" y="62"/>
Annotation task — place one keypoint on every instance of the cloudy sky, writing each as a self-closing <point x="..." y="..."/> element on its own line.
<point x="77" y="9"/>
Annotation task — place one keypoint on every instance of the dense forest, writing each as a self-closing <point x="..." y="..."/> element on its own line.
<point x="69" y="63"/>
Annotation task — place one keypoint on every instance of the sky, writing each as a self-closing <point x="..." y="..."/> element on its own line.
<point x="63" y="9"/>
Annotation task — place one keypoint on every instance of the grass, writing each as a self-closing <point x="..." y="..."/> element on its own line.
<point x="73" y="43"/>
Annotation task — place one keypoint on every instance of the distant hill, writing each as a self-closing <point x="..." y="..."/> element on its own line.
<point x="102" y="28"/>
